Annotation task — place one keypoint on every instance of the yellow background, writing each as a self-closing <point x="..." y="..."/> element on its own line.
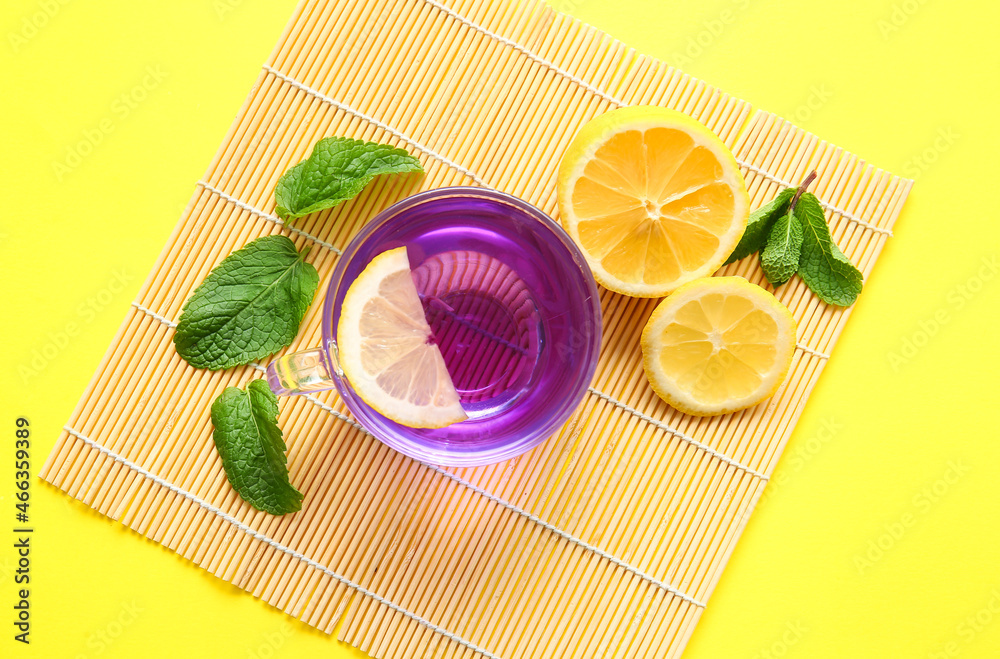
<point x="900" y="451"/>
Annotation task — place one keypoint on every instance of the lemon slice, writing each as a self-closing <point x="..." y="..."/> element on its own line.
<point x="386" y="349"/>
<point x="653" y="198"/>
<point x="717" y="345"/>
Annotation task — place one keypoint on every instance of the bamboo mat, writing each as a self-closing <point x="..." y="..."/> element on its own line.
<point x="608" y="539"/>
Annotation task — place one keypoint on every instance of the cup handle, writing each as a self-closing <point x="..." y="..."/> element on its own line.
<point x="300" y="373"/>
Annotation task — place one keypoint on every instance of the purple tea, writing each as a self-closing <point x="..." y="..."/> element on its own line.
<point x="511" y="304"/>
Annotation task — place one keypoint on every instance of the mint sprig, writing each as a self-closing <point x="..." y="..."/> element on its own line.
<point x="249" y="306"/>
<point x="792" y="236"/>
<point x="252" y="450"/>
<point x="822" y="266"/>
<point x="338" y="169"/>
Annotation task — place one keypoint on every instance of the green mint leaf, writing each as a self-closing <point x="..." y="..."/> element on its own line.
<point x="338" y="169"/>
<point x="822" y="266"/>
<point x="759" y="225"/>
<point x="248" y="307"/>
<point x="249" y="442"/>
<point x="780" y="257"/>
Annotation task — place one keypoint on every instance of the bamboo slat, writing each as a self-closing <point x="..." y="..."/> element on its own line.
<point x="605" y="541"/>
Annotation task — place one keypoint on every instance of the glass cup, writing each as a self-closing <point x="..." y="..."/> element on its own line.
<point x="513" y="307"/>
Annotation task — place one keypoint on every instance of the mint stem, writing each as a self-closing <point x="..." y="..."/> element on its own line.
<point x="802" y="188"/>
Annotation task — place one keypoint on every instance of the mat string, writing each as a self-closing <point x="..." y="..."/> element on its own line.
<point x="611" y="558"/>
<point x="677" y="433"/>
<point x="552" y="66"/>
<point x="261" y="214"/>
<point x="450" y="163"/>
<point x="514" y="507"/>
<point x="597" y="392"/>
<point x="264" y="216"/>
<point x="277" y="545"/>
<point x="384" y="126"/>
<point x="149" y="312"/>
<point x="815" y="353"/>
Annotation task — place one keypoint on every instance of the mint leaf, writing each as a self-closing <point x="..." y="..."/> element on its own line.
<point x="780" y="257"/>
<point x="759" y="224"/>
<point x="248" y="307"/>
<point x="338" y="169"/>
<point x="249" y="442"/>
<point x="822" y="266"/>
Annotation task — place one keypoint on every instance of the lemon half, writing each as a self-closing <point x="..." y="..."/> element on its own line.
<point x="653" y="198"/>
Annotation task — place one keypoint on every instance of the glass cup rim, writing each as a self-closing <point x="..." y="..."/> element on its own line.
<point x="564" y="407"/>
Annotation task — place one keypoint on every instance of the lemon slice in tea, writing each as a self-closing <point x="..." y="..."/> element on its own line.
<point x="386" y="348"/>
